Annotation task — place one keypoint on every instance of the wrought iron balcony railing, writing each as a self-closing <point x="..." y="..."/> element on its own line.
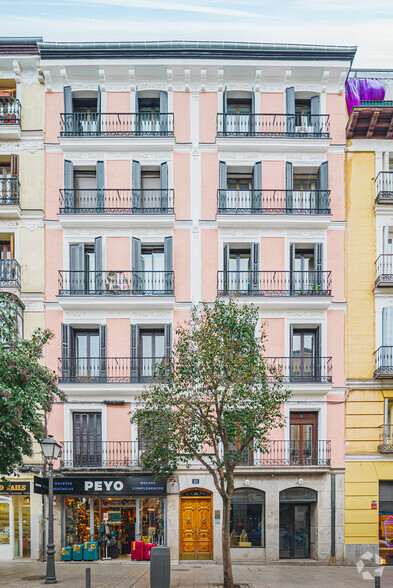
<point x="385" y="439"/>
<point x="116" y="283"/>
<point x="9" y="273"/>
<point x="273" y="125"/>
<point x="384" y="187"/>
<point x="91" y="453"/>
<point x="297" y="369"/>
<point x="9" y="191"/>
<point x="108" y="370"/>
<point x="10" y="111"/>
<point x="308" y="202"/>
<point x="123" y="124"/>
<point x="274" y="283"/>
<point x="290" y="453"/>
<point x="384" y="270"/>
<point x="384" y="362"/>
<point x="111" y="201"/>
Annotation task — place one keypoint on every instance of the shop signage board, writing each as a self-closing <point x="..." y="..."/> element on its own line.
<point x="110" y="486"/>
<point x="40" y="485"/>
<point x="16" y="488"/>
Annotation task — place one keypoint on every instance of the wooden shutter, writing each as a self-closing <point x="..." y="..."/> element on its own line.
<point x="168" y="264"/>
<point x="136" y="184"/>
<point x="318" y="251"/>
<point x="224" y="285"/>
<point x="103" y="352"/>
<point x="65" y="351"/>
<point x="290" y="109"/>
<point x="255" y="266"/>
<point x="222" y="186"/>
<point x="98" y="264"/>
<point x="164" y="112"/>
<point x="164" y="186"/>
<point x="315" y="114"/>
<point x="256" y="202"/>
<point x="76" y="267"/>
<point x="135" y="360"/>
<point x="292" y="276"/>
<point x="136" y="256"/>
<point x="68" y="185"/>
<point x="14" y="166"/>
<point x="323" y="187"/>
<point x="68" y="107"/>
<point x="288" y="186"/>
<point x="168" y="340"/>
<point x="100" y="182"/>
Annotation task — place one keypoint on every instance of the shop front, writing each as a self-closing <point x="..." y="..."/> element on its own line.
<point x="134" y="507"/>
<point x="15" y="540"/>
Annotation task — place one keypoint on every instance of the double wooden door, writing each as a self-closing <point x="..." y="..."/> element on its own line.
<point x="196" y="529"/>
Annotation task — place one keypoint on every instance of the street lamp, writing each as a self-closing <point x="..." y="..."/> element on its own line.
<point x="51" y="451"/>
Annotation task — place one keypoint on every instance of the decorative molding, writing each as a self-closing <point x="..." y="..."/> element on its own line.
<point x="32" y="147"/>
<point x="169" y="79"/>
<point x="287" y="78"/>
<point x="220" y="80"/>
<point x="325" y="77"/>
<point x="307" y="233"/>
<point x="8" y="224"/>
<point x="101" y="74"/>
<point x="187" y="77"/>
<point x="100" y="155"/>
<point x="31" y="224"/>
<point x="258" y="80"/>
<point x="48" y="81"/>
<point x="64" y="76"/>
<point x="131" y="74"/>
<point x="203" y="80"/>
<point x="17" y="70"/>
<point x="308" y="87"/>
<point x="151" y="86"/>
<point x="341" y="82"/>
<point x="84" y="86"/>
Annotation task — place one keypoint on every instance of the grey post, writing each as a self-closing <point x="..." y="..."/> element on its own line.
<point x="377" y="579"/>
<point x="160" y="567"/>
<point x="50" y="550"/>
<point x="88" y="577"/>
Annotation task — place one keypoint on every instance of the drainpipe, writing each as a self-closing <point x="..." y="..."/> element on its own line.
<point x="333" y="520"/>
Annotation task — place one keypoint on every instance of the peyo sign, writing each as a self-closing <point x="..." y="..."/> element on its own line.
<point x="120" y="485"/>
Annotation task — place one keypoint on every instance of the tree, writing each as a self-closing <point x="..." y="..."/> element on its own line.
<point x="27" y="388"/>
<point x="213" y="401"/>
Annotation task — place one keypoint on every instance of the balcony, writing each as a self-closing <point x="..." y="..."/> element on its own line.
<point x="282" y="202"/>
<point x="303" y="370"/>
<point x="100" y="454"/>
<point x="111" y="201"/>
<point x="274" y="283"/>
<point x="286" y="453"/>
<point x="107" y="370"/>
<point x="384" y="188"/>
<point x="96" y="124"/>
<point x="116" y="283"/>
<point x="274" y="125"/>
<point x="384" y="362"/>
<point x="384" y="270"/>
<point x="9" y="198"/>
<point x="385" y="439"/>
<point x="10" y="116"/>
<point x="10" y="274"/>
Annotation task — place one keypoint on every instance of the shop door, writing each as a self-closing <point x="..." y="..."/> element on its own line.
<point x="196" y="529"/>
<point x="294" y="531"/>
<point x="87" y="439"/>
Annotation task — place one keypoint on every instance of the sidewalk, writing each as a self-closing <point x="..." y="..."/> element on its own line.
<point x="18" y="574"/>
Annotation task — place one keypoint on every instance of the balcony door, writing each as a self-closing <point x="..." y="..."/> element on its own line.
<point x="239" y="270"/>
<point x="305" y="355"/>
<point x="152" y="345"/>
<point x="239" y="192"/>
<point x="303" y="433"/>
<point x="87" y="439"/>
<point x="85" y="268"/>
<point x="87" y="355"/>
<point x="238" y="118"/>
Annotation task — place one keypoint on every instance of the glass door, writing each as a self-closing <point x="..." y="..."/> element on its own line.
<point x="239" y="194"/>
<point x="153" y="266"/>
<point x="303" y="438"/>
<point x="294" y="531"/>
<point x="152" y="346"/>
<point x="238" y="118"/>
<point x="87" y="354"/>
<point x="304" y="355"/>
<point x="22" y="546"/>
<point x="239" y="270"/>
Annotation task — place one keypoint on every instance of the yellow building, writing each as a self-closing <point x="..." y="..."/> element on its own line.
<point x="369" y="331"/>
<point x="22" y="160"/>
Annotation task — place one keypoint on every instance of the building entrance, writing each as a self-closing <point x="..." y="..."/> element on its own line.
<point x="295" y="510"/>
<point x="196" y="527"/>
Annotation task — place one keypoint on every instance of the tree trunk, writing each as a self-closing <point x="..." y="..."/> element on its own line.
<point x="226" y="549"/>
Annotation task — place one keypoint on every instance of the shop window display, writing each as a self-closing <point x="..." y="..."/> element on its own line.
<point x="121" y="519"/>
<point x="4" y="523"/>
<point x="77" y="516"/>
<point x="247" y="524"/>
<point x="152" y="520"/>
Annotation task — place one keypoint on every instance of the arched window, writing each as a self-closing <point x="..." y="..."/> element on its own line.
<point x="247" y="525"/>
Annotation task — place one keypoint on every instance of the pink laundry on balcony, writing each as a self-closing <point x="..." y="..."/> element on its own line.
<point x="389" y="531"/>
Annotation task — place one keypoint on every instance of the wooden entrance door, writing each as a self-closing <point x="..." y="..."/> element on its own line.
<point x="196" y="528"/>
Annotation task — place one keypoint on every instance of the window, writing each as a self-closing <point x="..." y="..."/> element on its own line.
<point x="153" y="350"/>
<point x="304" y="355"/>
<point x="303" y="433"/>
<point x="4" y="523"/>
<point x="153" y="267"/>
<point x="238" y="117"/>
<point x="306" y="268"/>
<point x="247" y="524"/>
<point x="149" y="110"/>
<point x="87" y="354"/>
<point x="87" y="439"/>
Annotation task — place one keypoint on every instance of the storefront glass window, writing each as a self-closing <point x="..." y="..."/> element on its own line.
<point x="385" y="526"/>
<point x="152" y="520"/>
<point x="247" y="524"/>
<point x="4" y="523"/>
<point x="26" y="525"/>
<point x="77" y="516"/>
<point x="121" y="519"/>
<point x="15" y="500"/>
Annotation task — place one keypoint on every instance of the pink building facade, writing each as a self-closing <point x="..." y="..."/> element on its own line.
<point x="175" y="176"/>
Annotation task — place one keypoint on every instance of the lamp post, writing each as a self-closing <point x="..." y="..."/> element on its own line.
<point x="51" y="451"/>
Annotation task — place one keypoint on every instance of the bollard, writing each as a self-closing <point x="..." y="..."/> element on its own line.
<point x="377" y="579"/>
<point x="88" y="578"/>
<point x="160" y="567"/>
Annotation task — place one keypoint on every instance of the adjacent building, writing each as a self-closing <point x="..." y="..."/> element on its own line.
<point x="22" y="97"/>
<point x="369" y="326"/>
<point x="174" y="173"/>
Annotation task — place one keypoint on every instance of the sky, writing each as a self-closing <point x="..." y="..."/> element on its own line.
<point x="368" y="24"/>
